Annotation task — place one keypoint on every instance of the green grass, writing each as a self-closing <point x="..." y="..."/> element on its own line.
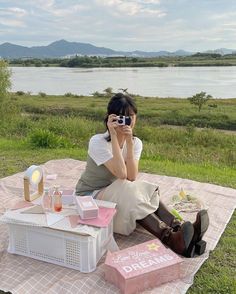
<point x="157" y="111"/>
<point x="205" y="155"/>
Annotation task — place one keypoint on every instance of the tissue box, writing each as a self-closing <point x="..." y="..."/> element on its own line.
<point x="87" y="207"/>
<point x="143" y="266"/>
<point x="68" y="196"/>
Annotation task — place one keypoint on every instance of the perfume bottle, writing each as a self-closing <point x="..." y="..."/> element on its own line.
<point x="57" y="201"/>
<point x="47" y="200"/>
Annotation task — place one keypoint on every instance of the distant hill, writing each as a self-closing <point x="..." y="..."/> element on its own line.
<point x="63" y="48"/>
<point x="222" y="51"/>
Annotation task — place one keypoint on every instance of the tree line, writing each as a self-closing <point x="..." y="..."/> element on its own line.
<point x="198" y="59"/>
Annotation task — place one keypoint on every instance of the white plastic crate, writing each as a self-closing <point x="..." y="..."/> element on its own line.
<point x="59" y="247"/>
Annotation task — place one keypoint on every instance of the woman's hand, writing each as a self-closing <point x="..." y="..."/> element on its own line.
<point x="128" y="133"/>
<point x="112" y="124"/>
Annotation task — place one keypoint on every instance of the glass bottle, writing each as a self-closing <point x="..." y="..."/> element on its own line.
<point x="57" y="202"/>
<point x="47" y="200"/>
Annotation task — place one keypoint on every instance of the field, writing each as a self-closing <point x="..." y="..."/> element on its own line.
<point x="178" y="141"/>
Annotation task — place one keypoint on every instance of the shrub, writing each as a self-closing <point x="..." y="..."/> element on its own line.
<point x="213" y="105"/>
<point x="69" y="94"/>
<point x="5" y="82"/>
<point x="42" y="94"/>
<point x="20" y="93"/>
<point x="46" y="139"/>
<point x="97" y="94"/>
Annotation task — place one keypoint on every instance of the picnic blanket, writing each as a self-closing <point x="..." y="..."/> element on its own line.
<point x="20" y="274"/>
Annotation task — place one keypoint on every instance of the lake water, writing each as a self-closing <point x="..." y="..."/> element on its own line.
<point x="220" y="82"/>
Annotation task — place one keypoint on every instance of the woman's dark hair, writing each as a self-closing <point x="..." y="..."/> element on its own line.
<point x="120" y="104"/>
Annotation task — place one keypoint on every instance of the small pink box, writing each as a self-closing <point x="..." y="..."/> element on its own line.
<point x="143" y="266"/>
<point x="87" y="207"/>
<point x="68" y="196"/>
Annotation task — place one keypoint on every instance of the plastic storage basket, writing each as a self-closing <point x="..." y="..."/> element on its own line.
<point x="68" y="249"/>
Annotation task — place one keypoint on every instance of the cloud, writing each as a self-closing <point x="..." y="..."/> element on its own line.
<point x="150" y="1"/>
<point x="231" y="26"/>
<point x="62" y="12"/>
<point x="121" y="24"/>
<point x="220" y="16"/>
<point x="131" y="7"/>
<point x="12" y="16"/>
<point x="62" y="9"/>
<point x="44" y="3"/>
<point x="13" y="11"/>
<point x="12" y="22"/>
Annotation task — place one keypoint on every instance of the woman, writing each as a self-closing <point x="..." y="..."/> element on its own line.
<point x="111" y="172"/>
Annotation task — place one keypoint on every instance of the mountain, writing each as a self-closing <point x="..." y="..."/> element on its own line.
<point x="56" y="49"/>
<point x="159" y="53"/>
<point x="222" y="51"/>
<point x="63" y="48"/>
<point x="8" y="50"/>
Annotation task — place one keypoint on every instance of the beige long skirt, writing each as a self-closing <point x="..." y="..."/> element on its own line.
<point x="135" y="200"/>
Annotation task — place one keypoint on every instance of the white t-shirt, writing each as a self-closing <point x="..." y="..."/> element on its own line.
<point x="101" y="151"/>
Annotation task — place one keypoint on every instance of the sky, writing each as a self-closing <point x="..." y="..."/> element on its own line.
<point x="127" y="25"/>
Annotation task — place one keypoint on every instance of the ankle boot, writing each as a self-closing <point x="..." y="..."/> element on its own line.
<point x="178" y="241"/>
<point x="166" y="216"/>
<point x="200" y="227"/>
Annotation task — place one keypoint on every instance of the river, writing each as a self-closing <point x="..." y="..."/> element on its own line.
<point x="182" y="82"/>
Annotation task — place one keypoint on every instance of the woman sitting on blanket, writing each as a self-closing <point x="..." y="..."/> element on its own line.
<point x="111" y="172"/>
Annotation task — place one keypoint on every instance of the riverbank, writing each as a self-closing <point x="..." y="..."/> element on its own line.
<point x="112" y="62"/>
<point x="42" y="128"/>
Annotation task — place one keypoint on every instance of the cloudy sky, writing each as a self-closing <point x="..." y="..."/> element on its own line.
<point x="150" y="25"/>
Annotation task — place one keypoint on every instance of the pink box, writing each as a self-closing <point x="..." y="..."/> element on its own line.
<point x="87" y="207"/>
<point x="143" y="266"/>
<point x="68" y="196"/>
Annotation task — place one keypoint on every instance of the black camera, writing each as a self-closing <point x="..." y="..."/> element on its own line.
<point x="123" y="120"/>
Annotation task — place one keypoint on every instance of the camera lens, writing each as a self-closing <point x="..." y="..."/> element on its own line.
<point x="120" y="121"/>
<point x="128" y="121"/>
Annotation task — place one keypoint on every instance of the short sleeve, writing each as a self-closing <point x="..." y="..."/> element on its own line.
<point x="138" y="147"/>
<point x="99" y="149"/>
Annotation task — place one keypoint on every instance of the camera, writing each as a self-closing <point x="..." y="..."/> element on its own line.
<point x="123" y="120"/>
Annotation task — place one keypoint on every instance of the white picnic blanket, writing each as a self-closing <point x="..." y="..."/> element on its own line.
<point x="24" y="275"/>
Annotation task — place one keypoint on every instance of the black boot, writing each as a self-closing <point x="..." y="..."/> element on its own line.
<point x="178" y="241"/>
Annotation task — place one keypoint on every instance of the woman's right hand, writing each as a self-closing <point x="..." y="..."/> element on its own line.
<point x="112" y="124"/>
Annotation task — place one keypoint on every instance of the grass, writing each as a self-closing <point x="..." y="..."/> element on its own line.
<point x="205" y="155"/>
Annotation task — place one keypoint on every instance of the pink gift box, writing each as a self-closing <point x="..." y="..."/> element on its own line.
<point x="143" y="266"/>
<point x="87" y="207"/>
